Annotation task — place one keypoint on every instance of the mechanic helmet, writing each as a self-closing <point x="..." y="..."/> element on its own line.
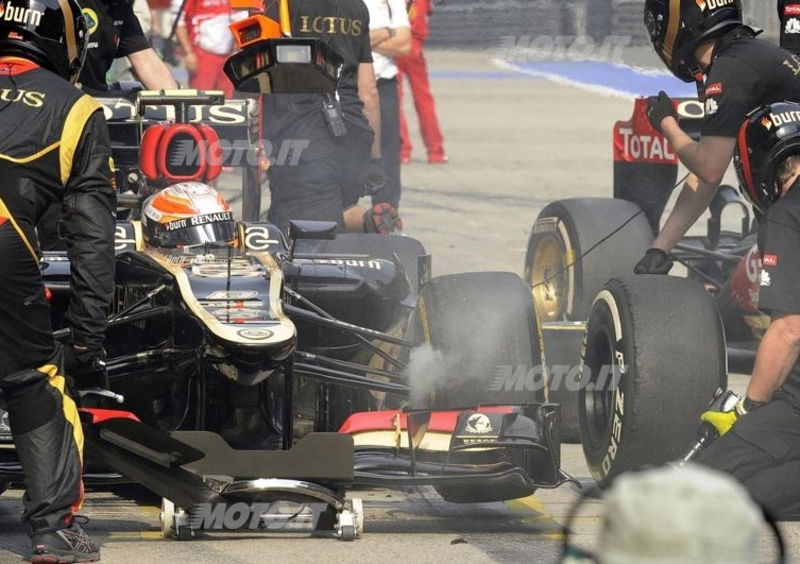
<point x="678" y="27"/>
<point x="52" y="33"/>
<point x="767" y="138"/>
<point x="188" y="213"/>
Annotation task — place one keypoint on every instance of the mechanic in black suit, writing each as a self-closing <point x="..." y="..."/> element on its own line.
<point x="760" y="443"/>
<point x="339" y="165"/>
<point x="55" y="149"/>
<point x="115" y="32"/>
<point x="707" y="41"/>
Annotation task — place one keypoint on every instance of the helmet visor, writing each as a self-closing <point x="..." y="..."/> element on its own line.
<point x="199" y="230"/>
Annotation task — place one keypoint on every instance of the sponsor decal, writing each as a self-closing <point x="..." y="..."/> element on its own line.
<point x="257" y="238"/>
<point x="255" y="334"/>
<point x="791" y="10"/>
<point x="766" y="122"/>
<point x="91" y="19"/>
<point x="792" y="26"/>
<point x="28" y="16"/>
<point x="372" y="264"/>
<point x="770" y="260"/>
<point x="30" y="98"/>
<point x="784" y="118"/>
<point x="711" y="107"/>
<point x="199" y="220"/>
<point x="232" y="295"/>
<point x="713" y="4"/>
<point x="766" y="281"/>
<point x="644" y="147"/>
<point x="478" y="424"/>
<point x="714" y="89"/>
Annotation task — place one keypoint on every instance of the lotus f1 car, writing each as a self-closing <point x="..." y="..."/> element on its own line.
<point x="296" y="368"/>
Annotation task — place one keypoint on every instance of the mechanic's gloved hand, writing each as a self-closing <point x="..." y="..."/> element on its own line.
<point x="722" y="421"/>
<point x="383" y="218"/>
<point x="373" y="178"/>
<point x="659" y="108"/>
<point x="654" y="261"/>
<point x="86" y="367"/>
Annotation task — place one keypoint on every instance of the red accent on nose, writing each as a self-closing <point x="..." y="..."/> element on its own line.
<point x="3" y="219"/>
<point x="48" y="295"/>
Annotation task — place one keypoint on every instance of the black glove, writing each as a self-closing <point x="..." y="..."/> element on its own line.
<point x="655" y="261"/>
<point x="373" y="178"/>
<point x="86" y="367"/>
<point x="659" y="108"/>
<point x="383" y="219"/>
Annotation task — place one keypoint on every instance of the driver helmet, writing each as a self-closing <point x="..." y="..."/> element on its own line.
<point x="185" y="214"/>
<point x="52" y="33"/>
<point x="677" y="27"/>
<point x="768" y="152"/>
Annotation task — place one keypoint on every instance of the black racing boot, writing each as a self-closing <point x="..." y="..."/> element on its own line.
<point x="68" y="545"/>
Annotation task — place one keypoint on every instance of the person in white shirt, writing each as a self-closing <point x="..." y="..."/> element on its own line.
<point x="390" y="36"/>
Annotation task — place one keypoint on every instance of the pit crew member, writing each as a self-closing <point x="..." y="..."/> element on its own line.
<point x="760" y="443"/>
<point x="55" y="149"/>
<point x="340" y="163"/>
<point x="115" y="32"/>
<point x="706" y="40"/>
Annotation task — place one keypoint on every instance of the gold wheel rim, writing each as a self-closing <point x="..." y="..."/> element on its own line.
<point x="548" y="279"/>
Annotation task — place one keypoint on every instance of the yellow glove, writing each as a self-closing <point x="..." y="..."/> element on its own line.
<point x="721" y="421"/>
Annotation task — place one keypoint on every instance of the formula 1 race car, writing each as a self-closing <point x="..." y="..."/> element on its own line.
<point x="293" y="368"/>
<point x="669" y="339"/>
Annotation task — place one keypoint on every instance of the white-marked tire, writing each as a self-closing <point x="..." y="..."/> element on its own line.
<point x="654" y="355"/>
<point x="564" y="231"/>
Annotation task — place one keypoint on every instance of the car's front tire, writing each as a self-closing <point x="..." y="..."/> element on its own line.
<point x="653" y="358"/>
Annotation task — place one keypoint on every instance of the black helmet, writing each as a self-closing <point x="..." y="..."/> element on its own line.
<point x="678" y="27"/>
<point x="50" y="32"/>
<point x="767" y="138"/>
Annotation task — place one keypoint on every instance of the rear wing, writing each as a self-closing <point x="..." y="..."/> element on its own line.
<point x="645" y="165"/>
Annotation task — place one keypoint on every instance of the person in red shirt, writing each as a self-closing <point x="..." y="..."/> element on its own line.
<point x="415" y="68"/>
<point x="204" y="36"/>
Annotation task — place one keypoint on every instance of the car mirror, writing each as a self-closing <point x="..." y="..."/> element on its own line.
<point x="325" y="230"/>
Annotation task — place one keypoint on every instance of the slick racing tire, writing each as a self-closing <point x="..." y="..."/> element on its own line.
<point x="562" y="233"/>
<point x="654" y="356"/>
<point x="475" y="324"/>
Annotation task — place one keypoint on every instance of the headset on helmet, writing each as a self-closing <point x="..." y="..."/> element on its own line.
<point x="188" y="213"/>
<point x="678" y="27"/>
<point x="52" y="33"/>
<point x="769" y="135"/>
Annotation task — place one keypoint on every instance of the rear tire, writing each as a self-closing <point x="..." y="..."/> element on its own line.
<point x="663" y="338"/>
<point x="562" y="233"/>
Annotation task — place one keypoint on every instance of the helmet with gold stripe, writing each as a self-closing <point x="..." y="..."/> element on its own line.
<point x="678" y="27"/>
<point x="52" y="33"/>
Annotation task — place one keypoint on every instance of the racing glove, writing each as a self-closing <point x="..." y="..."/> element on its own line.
<point x="86" y="367"/>
<point x="383" y="218"/>
<point x="655" y="261"/>
<point x="373" y="179"/>
<point x="659" y="108"/>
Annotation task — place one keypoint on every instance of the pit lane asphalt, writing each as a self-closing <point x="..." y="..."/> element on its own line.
<point x="515" y="143"/>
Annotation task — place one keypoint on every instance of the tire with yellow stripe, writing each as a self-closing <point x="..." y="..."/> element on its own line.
<point x="564" y="285"/>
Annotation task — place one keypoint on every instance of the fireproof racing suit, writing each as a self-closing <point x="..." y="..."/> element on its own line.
<point x="55" y="149"/>
<point x="762" y="449"/>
